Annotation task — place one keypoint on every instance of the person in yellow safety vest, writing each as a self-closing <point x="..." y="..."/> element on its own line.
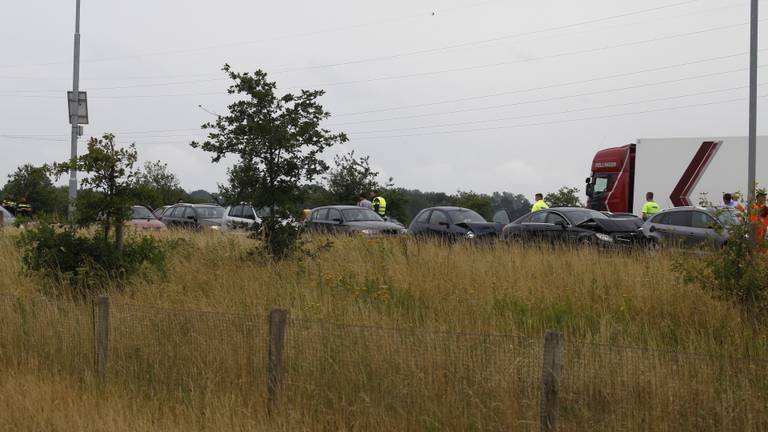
<point x="650" y="207"/>
<point x="539" y="204"/>
<point x="10" y="205"/>
<point x="23" y="208"/>
<point x="379" y="203"/>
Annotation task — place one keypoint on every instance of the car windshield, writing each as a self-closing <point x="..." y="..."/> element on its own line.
<point x="580" y="216"/>
<point x="360" y="215"/>
<point x="464" y="215"/>
<point x="210" y="212"/>
<point x="142" y="213"/>
<point x="727" y="217"/>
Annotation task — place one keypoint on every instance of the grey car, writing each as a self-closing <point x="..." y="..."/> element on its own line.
<point x="8" y="218"/>
<point x="690" y="226"/>
<point x="350" y="220"/>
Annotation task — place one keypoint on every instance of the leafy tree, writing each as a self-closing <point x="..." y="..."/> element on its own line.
<point x="278" y="140"/>
<point x="110" y="180"/>
<point x="480" y="203"/>
<point x="314" y="195"/>
<point x="75" y="259"/>
<point x="350" y="177"/>
<point x="34" y="184"/>
<point x="157" y="186"/>
<point x="516" y="205"/>
<point x="564" y="197"/>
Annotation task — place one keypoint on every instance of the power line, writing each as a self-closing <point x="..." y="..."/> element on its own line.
<point x="558" y="121"/>
<point x="548" y="99"/>
<point x="616" y="105"/>
<point x="429" y="73"/>
<point x="209" y="75"/>
<point x="666" y="67"/>
<point x="514" y="62"/>
<point x="420" y="15"/>
<point x="546" y="87"/>
<point x="483" y="41"/>
<point x="387" y="57"/>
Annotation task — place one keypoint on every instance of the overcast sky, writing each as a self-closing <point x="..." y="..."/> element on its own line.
<point x="442" y="94"/>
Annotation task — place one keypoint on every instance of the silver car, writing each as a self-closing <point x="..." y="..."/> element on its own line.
<point x="242" y="216"/>
<point x="8" y="218"/>
<point x="691" y="226"/>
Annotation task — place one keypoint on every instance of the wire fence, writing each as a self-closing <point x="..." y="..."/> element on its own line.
<point x="339" y="376"/>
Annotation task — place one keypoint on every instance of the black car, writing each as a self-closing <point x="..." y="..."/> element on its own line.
<point x="350" y="220"/>
<point x="453" y="223"/>
<point x="193" y="216"/>
<point x="575" y="225"/>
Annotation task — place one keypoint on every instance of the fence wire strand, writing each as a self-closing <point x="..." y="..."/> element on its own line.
<point x="341" y="376"/>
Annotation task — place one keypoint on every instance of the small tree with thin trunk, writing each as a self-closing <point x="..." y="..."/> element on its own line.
<point x="278" y="141"/>
<point x="74" y="262"/>
<point x="351" y="177"/>
<point x="110" y="182"/>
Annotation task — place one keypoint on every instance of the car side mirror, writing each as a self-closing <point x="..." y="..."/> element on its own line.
<point x="445" y="224"/>
<point x="191" y="217"/>
<point x="588" y="180"/>
<point x="560" y="223"/>
<point x="338" y="221"/>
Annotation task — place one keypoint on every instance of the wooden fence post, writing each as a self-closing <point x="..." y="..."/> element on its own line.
<point x="550" y="382"/>
<point x="277" y="321"/>
<point x="102" y="337"/>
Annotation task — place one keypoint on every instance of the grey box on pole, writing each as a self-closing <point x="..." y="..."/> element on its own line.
<point x="78" y="108"/>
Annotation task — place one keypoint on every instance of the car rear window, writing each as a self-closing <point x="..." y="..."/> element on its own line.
<point x="580" y="216"/>
<point x="465" y="215"/>
<point x="320" y="215"/>
<point x="141" y="213"/>
<point x="360" y="215"/>
<point x="703" y="220"/>
<point x="210" y="212"/>
<point x="679" y="218"/>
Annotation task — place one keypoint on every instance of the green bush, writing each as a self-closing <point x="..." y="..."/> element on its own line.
<point x="73" y="264"/>
<point x="738" y="272"/>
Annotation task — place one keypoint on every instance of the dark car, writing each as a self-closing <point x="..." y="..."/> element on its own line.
<point x="574" y="225"/>
<point x="193" y="216"/>
<point x="453" y="223"/>
<point x="691" y="226"/>
<point x="350" y="220"/>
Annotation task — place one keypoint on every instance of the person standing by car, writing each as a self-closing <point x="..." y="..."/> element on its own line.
<point x="379" y="203"/>
<point x="10" y="204"/>
<point x="23" y="208"/>
<point x="363" y="202"/>
<point x="650" y="207"/>
<point x="759" y="217"/>
<point x="729" y="202"/>
<point x="539" y="204"/>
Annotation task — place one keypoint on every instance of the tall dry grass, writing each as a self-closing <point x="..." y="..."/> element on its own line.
<point x="465" y="355"/>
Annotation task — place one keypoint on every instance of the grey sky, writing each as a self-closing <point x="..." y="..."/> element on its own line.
<point x="536" y="85"/>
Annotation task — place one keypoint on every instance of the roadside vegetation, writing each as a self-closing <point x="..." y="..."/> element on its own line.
<point x="613" y="299"/>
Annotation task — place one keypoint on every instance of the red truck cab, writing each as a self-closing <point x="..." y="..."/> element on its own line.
<point x="611" y="185"/>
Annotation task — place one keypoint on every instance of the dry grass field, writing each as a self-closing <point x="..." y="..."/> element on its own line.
<point x="384" y="334"/>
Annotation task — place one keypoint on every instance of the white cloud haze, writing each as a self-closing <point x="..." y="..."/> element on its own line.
<point x="443" y="95"/>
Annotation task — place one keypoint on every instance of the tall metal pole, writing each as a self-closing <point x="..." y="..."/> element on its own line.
<point x="73" y="121"/>
<point x="752" y="101"/>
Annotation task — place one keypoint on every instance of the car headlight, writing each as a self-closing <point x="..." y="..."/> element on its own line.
<point x="368" y="231"/>
<point x="470" y="234"/>
<point x="215" y="227"/>
<point x="604" y="237"/>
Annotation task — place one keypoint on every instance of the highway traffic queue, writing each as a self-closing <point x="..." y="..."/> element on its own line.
<point x="682" y="226"/>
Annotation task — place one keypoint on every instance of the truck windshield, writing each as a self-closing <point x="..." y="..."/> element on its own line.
<point x="601" y="183"/>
